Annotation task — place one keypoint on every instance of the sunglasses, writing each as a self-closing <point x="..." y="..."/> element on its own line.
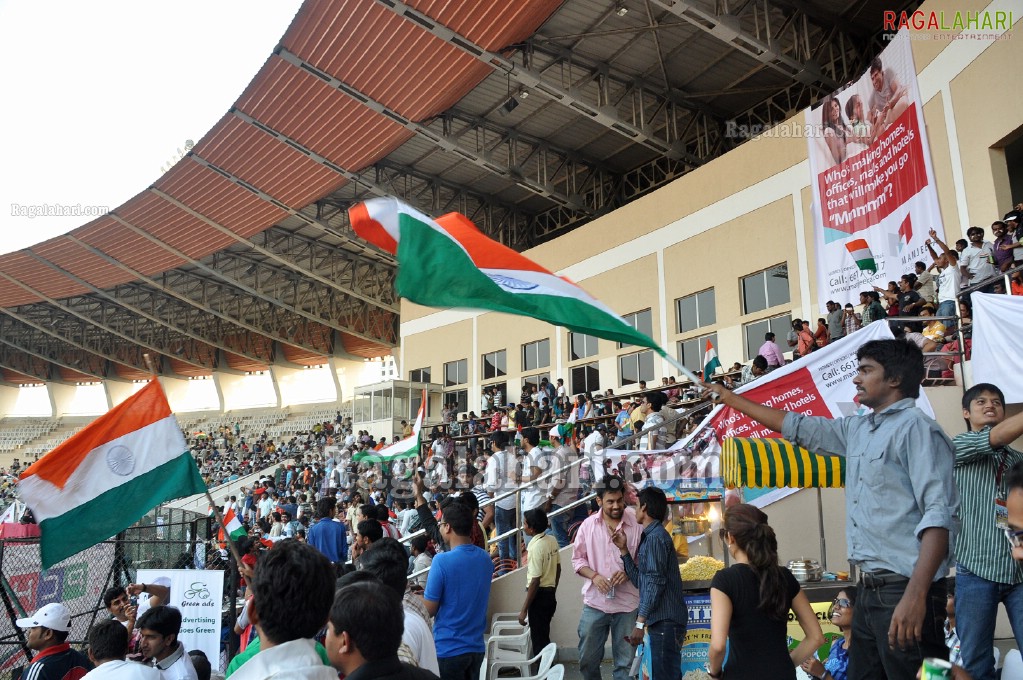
<point x="842" y="602"/>
<point x="1015" y="538"/>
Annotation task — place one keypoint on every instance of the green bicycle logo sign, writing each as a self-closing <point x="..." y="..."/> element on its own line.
<point x="197" y="590"/>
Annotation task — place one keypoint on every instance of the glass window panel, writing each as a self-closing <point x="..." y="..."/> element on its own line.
<point x="385" y="403"/>
<point x="755" y="337"/>
<point x="705" y="304"/>
<point x="777" y="285"/>
<point x="628" y="369"/>
<point x="646" y="365"/>
<point x="645" y="322"/>
<point x="585" y="378"/>
<point x="754" y="295"/>
<point x="581" y="346"/>
<point x="543" y="353"/>
<point x="687" y="314"/>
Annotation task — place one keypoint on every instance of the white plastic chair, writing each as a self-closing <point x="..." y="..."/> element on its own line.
<point x="524" y="666"/>
<point x="508" y="627"/>
<point x="555" y="673"/>
<point x="512" y="649"/>
<point x="1012" y="667"/>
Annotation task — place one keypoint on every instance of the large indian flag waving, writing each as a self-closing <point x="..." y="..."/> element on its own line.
<point x="448" y="262"/>
<point x="106" y="477"/>
<point x="403" y="448"/>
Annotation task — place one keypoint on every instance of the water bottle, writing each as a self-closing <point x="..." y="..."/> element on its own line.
<point x="610" y="594"/>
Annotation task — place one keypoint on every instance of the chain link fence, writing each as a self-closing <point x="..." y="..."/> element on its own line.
<point x="166" y="538"/>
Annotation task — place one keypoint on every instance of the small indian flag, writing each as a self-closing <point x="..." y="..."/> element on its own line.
<point x="403" y="448"/>
<point x="234" y="528"/>
<point x="861" y="254"/>
<point x="711" y="363"/>
<point x="565" y="429"/>
<point x="108" y="476"/>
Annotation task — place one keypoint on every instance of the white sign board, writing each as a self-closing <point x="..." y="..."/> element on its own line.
<point x="198" y="593"/>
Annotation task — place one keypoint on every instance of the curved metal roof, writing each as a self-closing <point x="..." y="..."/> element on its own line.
<point x="530" y="117"/>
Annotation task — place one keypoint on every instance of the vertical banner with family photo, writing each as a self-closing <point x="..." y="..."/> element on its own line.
<point x="874" y="198"/>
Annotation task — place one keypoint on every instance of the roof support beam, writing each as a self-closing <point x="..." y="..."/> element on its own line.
<point x="171" y="321"/>
<point x="46" y="330"/>
<point x="479" y="156"/>
<point x="141" y="342"/>
<point x="353" y="291"/>
<point x="600" y="111"/>
<point x="762" y="46"/>
<point x="53" y="355"/>
<point x="326" y="319"/>
<point x="169" y="292"/>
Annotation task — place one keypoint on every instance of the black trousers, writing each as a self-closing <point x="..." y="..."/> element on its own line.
<point x="540" y="613"/>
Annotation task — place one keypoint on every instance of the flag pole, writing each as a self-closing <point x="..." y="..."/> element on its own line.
<point x="220" y="517"/>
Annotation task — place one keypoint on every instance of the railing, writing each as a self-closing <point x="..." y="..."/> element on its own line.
<point x="1005" y="277"/>
<point x="565" y="469"/>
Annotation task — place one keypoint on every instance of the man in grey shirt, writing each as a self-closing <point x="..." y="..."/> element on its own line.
<point x="901" y="505"/>
<point x="835" y="328"/>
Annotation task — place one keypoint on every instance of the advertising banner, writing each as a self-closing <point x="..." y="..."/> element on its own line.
<point x="77" y="582"/>
<point x="198" y="593"/>
<point x="819" y="384"/>
<point x="874" y="197"/>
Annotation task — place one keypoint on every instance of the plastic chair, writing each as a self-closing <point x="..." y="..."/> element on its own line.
<point x="513" y="650"/>
<point x="556" y="672"/>
<point x="1012" y="666"/>
<point x="524" y="666"/>
<point x="508" y="627"/>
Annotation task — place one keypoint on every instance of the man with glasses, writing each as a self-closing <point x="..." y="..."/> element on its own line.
<point x="986" y="572"/>
<point x="457" y="594"/>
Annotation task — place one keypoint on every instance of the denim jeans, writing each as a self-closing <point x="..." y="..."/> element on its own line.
<point x="594" y="626"/>
<point x="666" y="640"/>
<point x="947" y="308"/>
<point x="976" y="608"/>
<point x="507" y="548"/>
<point x="559" y="526"/>
<point x="461" y="667"/>
<point x="870" y="658"/>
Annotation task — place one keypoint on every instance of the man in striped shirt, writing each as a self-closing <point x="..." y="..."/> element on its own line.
<point x="986" y="572"/>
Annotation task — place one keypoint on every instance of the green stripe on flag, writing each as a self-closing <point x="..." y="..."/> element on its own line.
<point x="85" y="525"/>
<point x="434" y="271"/>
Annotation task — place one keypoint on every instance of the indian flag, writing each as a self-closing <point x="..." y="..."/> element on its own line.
<point x="711" y="363"/>
<point x="448" y="262"/>
<point x="403" y="448"/>
<point x="565" y="429"/>
<point x="109" y="475"/>
<point x="234" y="528"/>
<point x="861" y="254"/>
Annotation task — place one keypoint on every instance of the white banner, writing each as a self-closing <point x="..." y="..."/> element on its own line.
<point x="198" y="593"/>
<point x="998" y="343"/>
<point x="871" y="177"/>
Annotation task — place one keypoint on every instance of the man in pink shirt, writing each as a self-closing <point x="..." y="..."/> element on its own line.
<point x="772" y="352"/>
<point x="610" y="600"/>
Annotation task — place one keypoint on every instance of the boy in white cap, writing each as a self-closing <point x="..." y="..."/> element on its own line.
<point x="46" y="634"/>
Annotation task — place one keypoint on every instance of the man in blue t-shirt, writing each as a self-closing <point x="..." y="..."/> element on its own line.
<point x="326" y="535"/>
<point x="457" y="592"/>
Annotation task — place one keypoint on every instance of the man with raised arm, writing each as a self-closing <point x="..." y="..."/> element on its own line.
<point x="901" y="504"/>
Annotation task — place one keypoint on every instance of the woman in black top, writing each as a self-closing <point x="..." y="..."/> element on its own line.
<point x="750" y="602"/>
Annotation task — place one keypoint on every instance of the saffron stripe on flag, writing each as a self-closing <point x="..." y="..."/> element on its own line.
<point x="102" y="516"/>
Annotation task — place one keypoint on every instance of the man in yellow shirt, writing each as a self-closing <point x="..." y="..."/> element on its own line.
<point x="543" y="572"/>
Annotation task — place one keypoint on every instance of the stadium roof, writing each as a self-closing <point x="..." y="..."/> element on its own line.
<point x="531" y="117"/>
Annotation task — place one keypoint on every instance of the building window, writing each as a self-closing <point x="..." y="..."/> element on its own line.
<point x="419" y="375"/>
<point x="765" y="289"/>
<point x="536" y="355"/>
<point x="755" y="330"/>
<point x="695" y="311"/>
<point x="499" y="391"/>
<point x="460" y="398"/>
<point x="581" y="346"/>
<point x="585" y="378"/>
<point x="495" y="364"/>
<point x="690" y="352"/>
<point x="531" y="381"/>
<point x="642" y="321"/>
<point x="456" y="372"/>
<point x="633" y="368"/>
